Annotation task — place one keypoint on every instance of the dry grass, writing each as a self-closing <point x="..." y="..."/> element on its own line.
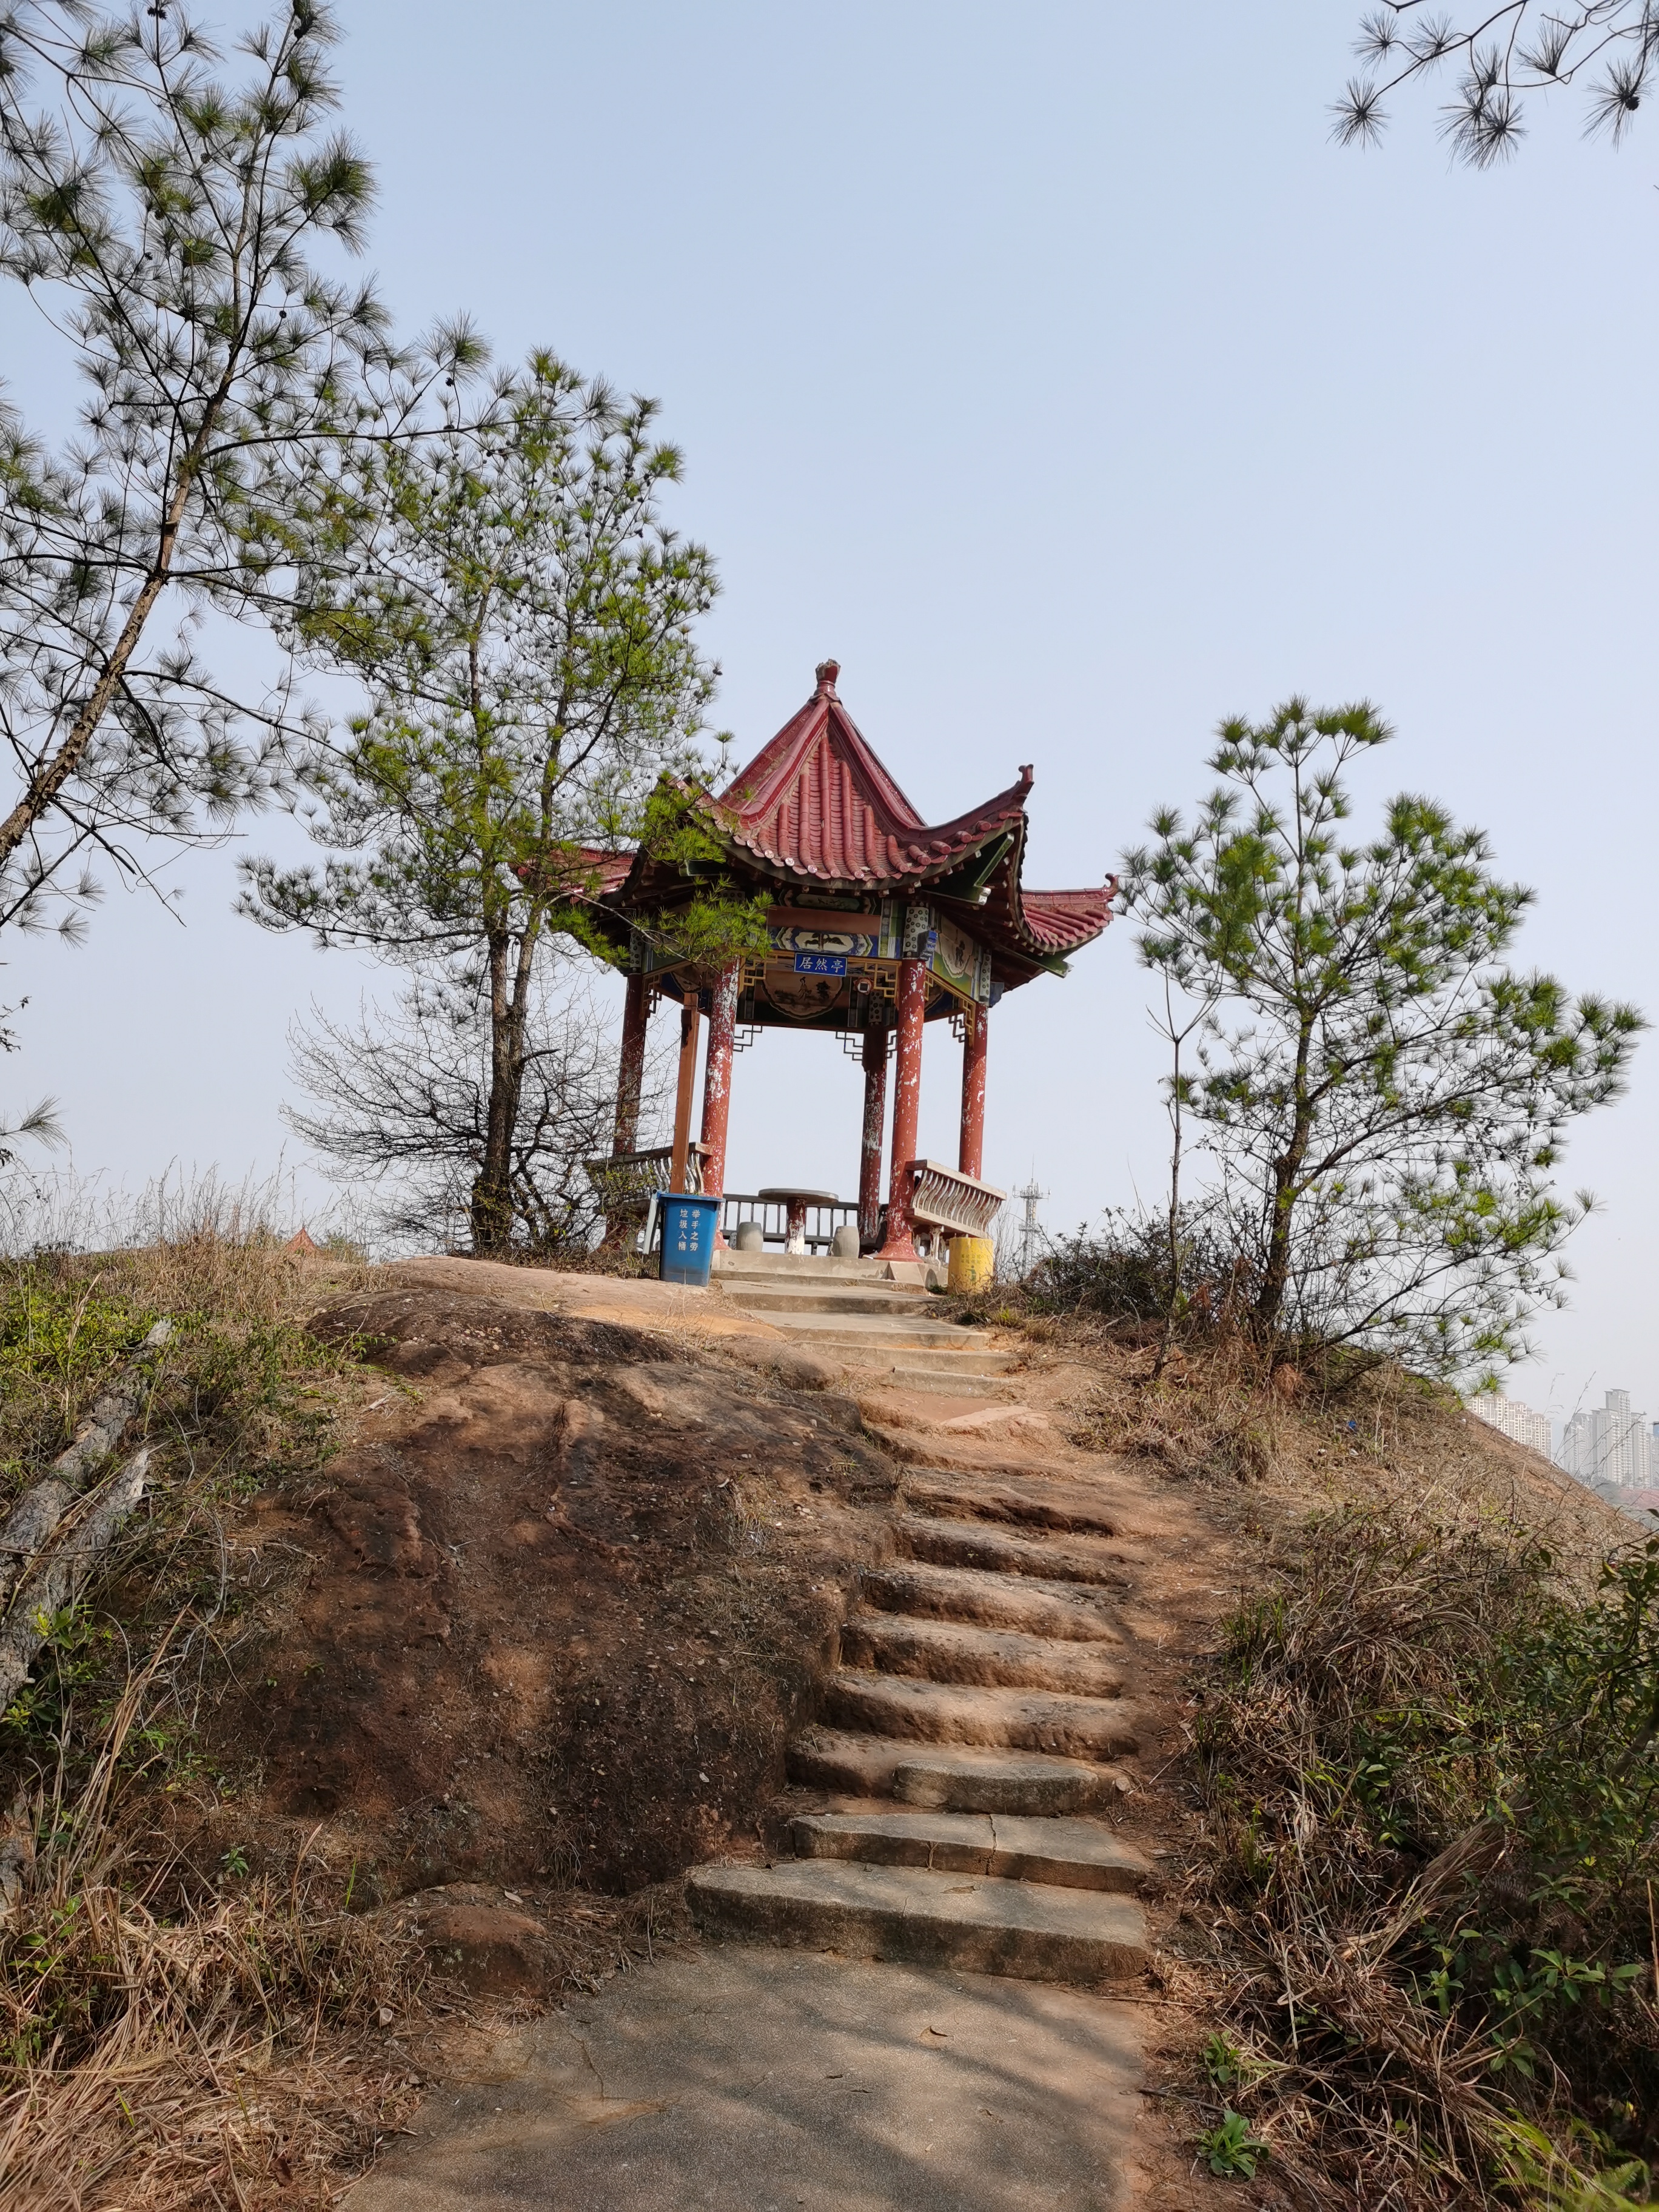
<point x="1425" y="1777"/>
<point x="1424" y="1773"/>
<point x="225" y="2056"/>
<point x="172" y="2032"/>
<point x="1425" y="1781"/>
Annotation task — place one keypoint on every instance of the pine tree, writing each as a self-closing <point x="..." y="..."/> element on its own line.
<point x="520" y="617"/>
<point x="1383" y="1096"/>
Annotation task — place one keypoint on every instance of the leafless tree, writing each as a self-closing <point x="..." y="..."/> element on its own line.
<point x="402" y="1105"/>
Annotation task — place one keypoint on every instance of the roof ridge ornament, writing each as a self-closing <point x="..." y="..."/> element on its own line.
<point x="826" y="673"/>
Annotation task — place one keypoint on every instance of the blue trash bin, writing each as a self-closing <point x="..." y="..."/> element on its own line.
<point x="689" y="1225"/>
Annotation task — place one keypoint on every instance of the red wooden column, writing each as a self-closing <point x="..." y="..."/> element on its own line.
<point x="630" y="1076"/>
<point x="875" y="1116"/>
<point x="717" y="1084"/>
<point x="970" y="1150"/>
<point x="907" y="1108"/>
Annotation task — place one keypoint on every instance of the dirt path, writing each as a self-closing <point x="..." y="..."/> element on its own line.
<point x="947" y="1980"/>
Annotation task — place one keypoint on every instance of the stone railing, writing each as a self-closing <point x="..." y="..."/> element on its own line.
<point x="625" y="1181"/>
<point x="945" y="1199"/>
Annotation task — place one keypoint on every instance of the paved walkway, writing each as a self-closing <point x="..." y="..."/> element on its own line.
<point x="751" y="2079"/>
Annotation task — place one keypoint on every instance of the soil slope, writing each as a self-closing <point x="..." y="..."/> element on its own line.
<point x="537" y="1625"/>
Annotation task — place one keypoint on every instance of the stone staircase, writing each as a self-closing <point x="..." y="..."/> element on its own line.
<point x="968" y="1731"/>
<point x="867" y="1313"/>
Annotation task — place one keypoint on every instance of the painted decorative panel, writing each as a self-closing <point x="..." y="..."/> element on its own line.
<point x="955" y="959"/>
<point x="806" y="996"/>
<point x="841" y="944"/>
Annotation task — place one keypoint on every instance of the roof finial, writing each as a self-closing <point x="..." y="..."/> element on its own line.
<point x="826" y="671"/>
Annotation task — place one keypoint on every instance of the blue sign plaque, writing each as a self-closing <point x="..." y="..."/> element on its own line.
<point x="820" y="964"/>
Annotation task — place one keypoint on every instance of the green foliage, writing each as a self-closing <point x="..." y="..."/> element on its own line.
<point x="1384" y="1098"/>
<point x="1231" y="2149"/>
<point x="76" y="1652"/>
<point x="164" y="218"/>
<point x="63" y="1342"/>
<point x="1549" y="2180"/>
<point x="1223" y="2061"/>
<point x="520" y="618"/>
<point x="717" y="924"/>
<point x="711" y="930"/>
<point x="1229" y="2065"/>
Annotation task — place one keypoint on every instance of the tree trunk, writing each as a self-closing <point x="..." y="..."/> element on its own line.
<point x="1287" y="1168"/>
<point x="1172" y="1295"/>
<point x="1276" y="1274"/>
<point x="68" y="1569"/>
<point x="493" y="1210"/>
<point x="49" y="779"/>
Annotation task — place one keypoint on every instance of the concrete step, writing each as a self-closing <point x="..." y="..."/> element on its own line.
<point x="879" y="1332"/>
<point x="996" y="1551"/>
<point x="966" y="1362"/>
<point x="955" y="1651"/>
<point x="945" y="1381"/>
<point x="950" y="1712"/>
<point x="778" y="1266"/>
<point x="955" y="1777"/>
<point x="1052" y="1609"/>
<point x="1036" y="1501"/>
<point x="775" y="1265"/>
<point x="776" y="1300"/>
<point x="1066" y="1854"/>
<point x="976" y="1925"/>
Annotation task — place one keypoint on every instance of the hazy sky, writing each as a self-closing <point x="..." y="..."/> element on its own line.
<point x="1050" y="368"/>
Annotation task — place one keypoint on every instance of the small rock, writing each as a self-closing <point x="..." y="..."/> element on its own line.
<point x="492" y="1952"/>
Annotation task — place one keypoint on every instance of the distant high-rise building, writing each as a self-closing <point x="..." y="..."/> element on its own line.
<point x="1610" y="1444"/>
<point x="1514" y="1420"/>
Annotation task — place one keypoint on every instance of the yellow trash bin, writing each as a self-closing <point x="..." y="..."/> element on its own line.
<point x="973" y="1263"/>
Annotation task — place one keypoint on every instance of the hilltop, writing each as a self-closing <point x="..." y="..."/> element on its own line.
<point x="521" y="1588"/>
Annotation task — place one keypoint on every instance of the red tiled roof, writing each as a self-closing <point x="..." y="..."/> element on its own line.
<point x="816" y="802"/>
<point x="580" y="871"/>
<point x="1060" y="919"/>
<point x="816" y="806"/>
<point x="610" y="869"/>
